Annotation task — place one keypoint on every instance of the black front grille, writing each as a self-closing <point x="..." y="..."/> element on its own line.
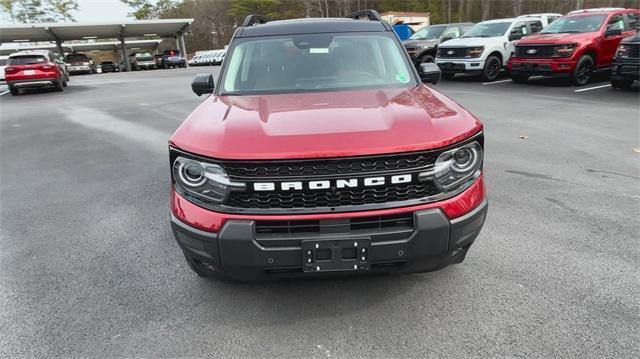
<point x="343" y="197"/>
<point x="544" y="51"/>
<point x="344" y="166"/>
<point x="633" y="50"/>
<point x="290" y="233"/>
<point x="450" y="53"/>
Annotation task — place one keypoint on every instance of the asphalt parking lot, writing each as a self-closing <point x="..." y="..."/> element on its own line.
<point x="89" y="267"/>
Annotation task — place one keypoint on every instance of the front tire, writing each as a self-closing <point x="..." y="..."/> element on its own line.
<point x="427" y="58"/>
<point x="623" y="84"/>
<point x="584" y="69"/>
<point x="491" y="69"/>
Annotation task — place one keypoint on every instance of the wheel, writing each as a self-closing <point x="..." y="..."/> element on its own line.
<point x="64" y="83"/>
<point x="520" y="79"/>
<point x="165" y="66"/>
<point x="426" y="58"/>
<point x="491" y="69"/>
<point x="623" y="84"/>
<point x="584" y="69"/>
<point x="60" y="84"/>
<point x="14" y="90"/>
<point x="448" y="75"/>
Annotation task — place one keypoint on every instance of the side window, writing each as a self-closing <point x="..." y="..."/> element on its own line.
<point x="633" y="21"/>
<point x="551" y="19"/>
<point x="518" y="31"/>
<point x="536" y="26"/>
<point x="451" y="33"/>
<point x="616" y="23"/>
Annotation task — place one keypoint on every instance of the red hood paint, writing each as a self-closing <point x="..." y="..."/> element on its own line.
<point x="324" y="124"/>
<point x="560" y="39"/>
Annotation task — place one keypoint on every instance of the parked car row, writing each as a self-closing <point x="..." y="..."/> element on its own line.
<point x="208" y="58"/>
<point x="573" y="46"/>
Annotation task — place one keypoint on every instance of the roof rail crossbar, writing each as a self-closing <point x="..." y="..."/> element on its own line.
<point x="369" y="14"/>
<point x="251" y="20"/>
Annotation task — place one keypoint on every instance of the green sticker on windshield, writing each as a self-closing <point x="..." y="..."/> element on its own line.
<point x="402" y="78"/>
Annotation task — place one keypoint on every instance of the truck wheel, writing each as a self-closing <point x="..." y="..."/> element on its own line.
<point x="448" y="75"/>
<point x="492" y="68"/>
<point x="623" y="84"/>
<point x="427" y="58"/>
<point x="584" y="69"/>
<point x="519" y="79"/>
<point x="14" y="90"/>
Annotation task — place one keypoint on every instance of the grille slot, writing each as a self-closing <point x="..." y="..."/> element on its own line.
<point x="545" y="51"/>
<point x="290" y="233"/>
<point x="633" y="50"/>
<point x="320" y="198"/>
<point x="350" y="166"/>
<point x="458" y="52"/>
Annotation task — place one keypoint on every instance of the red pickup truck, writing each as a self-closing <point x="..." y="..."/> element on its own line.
<point x="574" y="45"/>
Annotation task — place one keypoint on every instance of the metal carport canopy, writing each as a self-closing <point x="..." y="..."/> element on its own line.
<point x="79" y="31"/>
<point x="87" y="46"/>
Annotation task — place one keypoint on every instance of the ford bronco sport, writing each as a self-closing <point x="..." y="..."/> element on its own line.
<point x="320" y="151"/>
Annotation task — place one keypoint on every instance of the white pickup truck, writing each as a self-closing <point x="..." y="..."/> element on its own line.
<point x="485" y="49"/>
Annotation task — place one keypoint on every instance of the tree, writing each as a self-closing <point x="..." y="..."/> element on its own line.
<point x="32" y="11"/>
<point x="142" y="9"/>
<point x="63" y="8"/>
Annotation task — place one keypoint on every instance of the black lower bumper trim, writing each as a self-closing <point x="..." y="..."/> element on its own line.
<point x="435" y="243"/>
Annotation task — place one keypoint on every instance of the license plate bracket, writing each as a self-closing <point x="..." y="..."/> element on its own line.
<point x="29" y="72"/>
<point x="330" y="255"/>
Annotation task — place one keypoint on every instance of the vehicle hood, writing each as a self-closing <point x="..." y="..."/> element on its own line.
<point x="417" y="43"/>
<point x="471" y="41"/>
<point x="324" y="124"/>
<point x="557" y="38"/>
<point x="632" y="39"/>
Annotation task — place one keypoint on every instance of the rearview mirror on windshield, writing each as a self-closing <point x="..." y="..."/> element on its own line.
<point x="429" y="73"/>
<point x="202" y="84"/>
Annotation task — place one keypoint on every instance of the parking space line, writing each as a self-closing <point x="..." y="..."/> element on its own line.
<point x="4" y="93"/>
<point x="592" y="88"/>
<point x="496" y="82"/>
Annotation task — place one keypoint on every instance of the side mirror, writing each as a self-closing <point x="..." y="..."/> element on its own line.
<point x="429" y="73"/>
<point x="446" y="38"/>
<point x="514" y="37"/>
<point x="612" y="32"/>
<point x="202" y="83"/>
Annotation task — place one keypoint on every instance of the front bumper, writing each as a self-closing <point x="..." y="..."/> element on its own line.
<point x="457" y="66"/>
<point x="622" y="70"/>
<point x="540" y="67"/>
<point x="236" y="251"/>
<point x="78" y="69"/>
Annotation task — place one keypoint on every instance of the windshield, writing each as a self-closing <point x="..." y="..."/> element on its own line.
<point x="144" y="56"/>
<point x="27" y="60"/>
<point x="317" y="62"/>
<point x="575" y="24"/>
<point x="488" y="29"/>
<point x="77" y="58"/>
<point x="428" y="33"/>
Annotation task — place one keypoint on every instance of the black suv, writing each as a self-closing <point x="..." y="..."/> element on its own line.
<point x="626" y="64"/>
<point x="423" y="45"/>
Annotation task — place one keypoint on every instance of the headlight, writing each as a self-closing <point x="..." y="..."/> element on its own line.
<point x="456" y="167"/>
<point x="204" y="181"/>
<point x="475" y="51"/>
<point x="623" y="51"/>
<point x="564" y="50"/>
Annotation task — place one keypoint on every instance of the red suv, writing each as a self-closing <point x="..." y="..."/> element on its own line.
<point x="574" y="45"/>
<point x="34" y="69"/>
<point x="322" y="151"/>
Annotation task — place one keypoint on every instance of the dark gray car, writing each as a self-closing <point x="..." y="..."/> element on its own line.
<point x="423" y="45"/>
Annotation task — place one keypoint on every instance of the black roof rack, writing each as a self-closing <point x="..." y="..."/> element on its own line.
<point x="251" y="20"/>
<point x="369" y="14"/>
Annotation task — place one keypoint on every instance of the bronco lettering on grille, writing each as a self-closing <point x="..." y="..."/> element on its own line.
<point x="337" y="183"/>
